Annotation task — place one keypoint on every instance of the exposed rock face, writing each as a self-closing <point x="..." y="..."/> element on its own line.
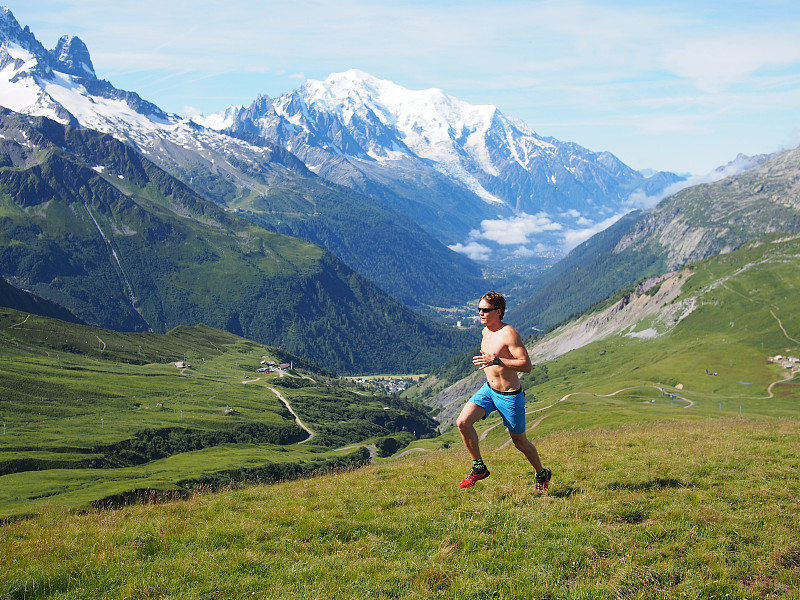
<point x="73" y="56"/>
<point x="622" y="318"/>
<point x="717" y="218"/>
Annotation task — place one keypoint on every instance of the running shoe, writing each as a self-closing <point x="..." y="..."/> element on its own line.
<point x="543" y="483"/>
<point x="476" y="475"/>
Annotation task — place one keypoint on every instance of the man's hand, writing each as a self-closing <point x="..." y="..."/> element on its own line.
<point x="483" y="360"/>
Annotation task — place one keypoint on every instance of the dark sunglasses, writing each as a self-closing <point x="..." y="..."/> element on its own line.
<point x="485" y="310"/>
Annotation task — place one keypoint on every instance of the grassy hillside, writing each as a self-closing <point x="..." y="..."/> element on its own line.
<point x="683" y="509"/>
<point x="91" y="414"/>
<point x="675" y="462"/>
<point x="727" y="315"/>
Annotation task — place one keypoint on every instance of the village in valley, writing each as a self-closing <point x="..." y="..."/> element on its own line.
<point x="787" y="362"/>
<point x="387" y="383"/>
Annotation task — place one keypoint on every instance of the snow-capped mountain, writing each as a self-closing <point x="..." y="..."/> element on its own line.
<point x="61" y="84"/>
<point x="482" y="183"/>
<point x="263" y="181"/>
<point x="359" y="130"/>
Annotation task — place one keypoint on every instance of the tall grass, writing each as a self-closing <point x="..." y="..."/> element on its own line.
<point x="684" y="509"/>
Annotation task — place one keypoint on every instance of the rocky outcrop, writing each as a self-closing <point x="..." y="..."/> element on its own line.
<point x="717" y="218"/>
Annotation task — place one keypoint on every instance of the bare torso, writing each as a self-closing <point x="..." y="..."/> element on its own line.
<point x="500" y="343"/>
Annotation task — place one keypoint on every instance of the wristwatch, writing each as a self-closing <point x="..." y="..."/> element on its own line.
<point x="496" y="361"/>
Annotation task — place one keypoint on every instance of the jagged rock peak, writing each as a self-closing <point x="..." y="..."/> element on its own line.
<point x="9" y="27"/>
<point x="11" y="31"/>
<point x="69" y="56"/>
<point x="72" y="57"/>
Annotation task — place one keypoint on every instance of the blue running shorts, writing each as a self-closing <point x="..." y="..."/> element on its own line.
<point x="511" y="406"/>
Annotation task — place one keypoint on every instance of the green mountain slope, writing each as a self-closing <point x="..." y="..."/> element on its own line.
<point x="367" y="231"/>
<point x="94" y="415"/>
<point x="693" y="224"/>
<point x="673" y="440"/>
<point x="91" y="225"/>
<point x="726" y="315"/>
<point x="24" y="301"/>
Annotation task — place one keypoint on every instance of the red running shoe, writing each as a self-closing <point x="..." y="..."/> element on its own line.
<point x="476" y="475"/>
<point x="543" y="483"/>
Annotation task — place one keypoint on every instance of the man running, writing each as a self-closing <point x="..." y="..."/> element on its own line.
<point x="502" y="356"/>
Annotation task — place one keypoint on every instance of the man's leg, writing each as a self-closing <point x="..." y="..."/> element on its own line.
<point x="524" y="445"/>
<point x="466" y="426"/>
<point x="470" y="414"/>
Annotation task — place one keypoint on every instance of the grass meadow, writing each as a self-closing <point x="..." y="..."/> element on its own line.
<point x="676" y="474"/>
<point x="680" y="509"/>
<point x="66" y="391"/>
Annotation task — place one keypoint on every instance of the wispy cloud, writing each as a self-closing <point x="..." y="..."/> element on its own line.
<point x="573" y="237"/>
<point x="715" y="64"/>
<point x="473" y="250"/>
<point x="533" y="235"/>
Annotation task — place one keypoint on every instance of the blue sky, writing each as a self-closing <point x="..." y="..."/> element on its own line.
<point x="680" y="86"/>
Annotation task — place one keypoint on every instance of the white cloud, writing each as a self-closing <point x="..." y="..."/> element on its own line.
<point x="573" y="237"/>
<point x="515" y="231"/>
<point x="715" y="64"/>
<point x="473" y="250"/>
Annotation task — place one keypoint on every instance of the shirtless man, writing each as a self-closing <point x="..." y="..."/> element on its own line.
<point x="502" y="356"/>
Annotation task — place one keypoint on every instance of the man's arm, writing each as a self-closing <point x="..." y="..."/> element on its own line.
<point x="519" y="361"/>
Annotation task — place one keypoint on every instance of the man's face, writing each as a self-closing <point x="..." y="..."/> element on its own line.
<point x="488" y="313"/>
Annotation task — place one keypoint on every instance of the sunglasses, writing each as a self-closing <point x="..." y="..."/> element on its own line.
<point x="486" y="310"/>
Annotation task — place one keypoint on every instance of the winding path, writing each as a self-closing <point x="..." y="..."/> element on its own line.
<point x="782" y="329"/>
<point x="25" y="320"/>
<point x="296" y="418"/>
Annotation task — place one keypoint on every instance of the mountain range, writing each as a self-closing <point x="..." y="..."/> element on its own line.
<point x="695" y="223"/>
<point x="131" y="217"/>
<point x="446" y="163"/>
<point x="92" y="225"/>
<point x="265" y="182"/>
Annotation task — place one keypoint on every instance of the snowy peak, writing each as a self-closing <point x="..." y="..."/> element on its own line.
<point x="61" y="84"/>
<point x="20" y="48"/>
<point x="431" y="123"/>
<point x="72" y="56"/>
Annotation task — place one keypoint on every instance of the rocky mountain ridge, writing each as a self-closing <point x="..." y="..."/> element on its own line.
<point x="716" y="218"/>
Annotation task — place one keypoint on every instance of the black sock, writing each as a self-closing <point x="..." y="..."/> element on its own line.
<point x="478" y="465"/>
<point x="541" y="475"/>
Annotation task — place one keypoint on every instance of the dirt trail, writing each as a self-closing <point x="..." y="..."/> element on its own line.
<point x="782" y="329"/>
<point x="296" y="418"/>
<point x="25" y="320"/>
